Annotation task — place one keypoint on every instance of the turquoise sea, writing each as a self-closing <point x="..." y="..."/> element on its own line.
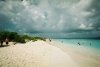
<point x="91" y="43"/>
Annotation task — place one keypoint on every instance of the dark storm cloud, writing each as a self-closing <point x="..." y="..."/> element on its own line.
<point x="70" y="17"/>
<point x="5" y="23"/>
<point x="95" y="18"/>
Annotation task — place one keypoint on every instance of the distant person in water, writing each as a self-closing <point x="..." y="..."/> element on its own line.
<point x="79" y="43"/>
<point x="1" y="43"/>
<point x="7" y="41"/>
<point x="62" y="41"/>
<point x="90" y="44"/>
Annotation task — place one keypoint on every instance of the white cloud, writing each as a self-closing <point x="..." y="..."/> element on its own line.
<point x="86" y="27"/>
<point x="82" y="26"/>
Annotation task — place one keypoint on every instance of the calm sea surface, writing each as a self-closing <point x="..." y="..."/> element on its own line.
<point x="91" y="43"/>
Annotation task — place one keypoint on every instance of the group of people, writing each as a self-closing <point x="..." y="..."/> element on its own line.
<point x="6" y="41"/>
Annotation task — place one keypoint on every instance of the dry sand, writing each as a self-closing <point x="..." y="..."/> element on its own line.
<point x="34" y="54"/>
<point x="83" y="56"/>
<point x="45" y="54"/>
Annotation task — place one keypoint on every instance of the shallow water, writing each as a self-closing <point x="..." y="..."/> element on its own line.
<point x="91" y="43"/>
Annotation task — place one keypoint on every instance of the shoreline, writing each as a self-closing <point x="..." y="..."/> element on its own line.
<point x="74" y="46"/>
<point x="87" y="57"/>
<point x="46" y="54"/>
<point x="34" y="54"/>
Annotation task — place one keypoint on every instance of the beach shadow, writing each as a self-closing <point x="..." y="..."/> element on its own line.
<point x="4" y="46"/>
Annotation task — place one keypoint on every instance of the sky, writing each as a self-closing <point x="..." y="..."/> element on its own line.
<point x="51" y="18"/>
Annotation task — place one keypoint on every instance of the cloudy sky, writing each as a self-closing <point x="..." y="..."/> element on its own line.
<point x="51" y="18"/>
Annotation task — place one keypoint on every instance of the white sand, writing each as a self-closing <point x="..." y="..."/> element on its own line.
<point x="84" y="57"/>
<point x="35" y="54"/>
<point x="47" y="54"/>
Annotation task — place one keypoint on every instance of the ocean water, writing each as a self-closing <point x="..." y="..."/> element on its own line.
<point x="91" y="43"/>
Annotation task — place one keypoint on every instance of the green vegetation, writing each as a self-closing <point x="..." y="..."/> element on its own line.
<point x="15" y="37"/>
<point x="26" y="37"/>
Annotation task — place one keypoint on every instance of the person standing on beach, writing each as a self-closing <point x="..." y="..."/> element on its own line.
<point x="1" y="43"/>
<point x="7" y="41"/>
<point x="50" y="40"/>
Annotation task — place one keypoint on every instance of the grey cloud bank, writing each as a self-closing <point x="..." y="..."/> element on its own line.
<point x="51" y="18"/>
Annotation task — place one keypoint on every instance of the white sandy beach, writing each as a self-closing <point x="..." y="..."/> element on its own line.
<point x="84" y="57"/>
<point x="45" y="54"/>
